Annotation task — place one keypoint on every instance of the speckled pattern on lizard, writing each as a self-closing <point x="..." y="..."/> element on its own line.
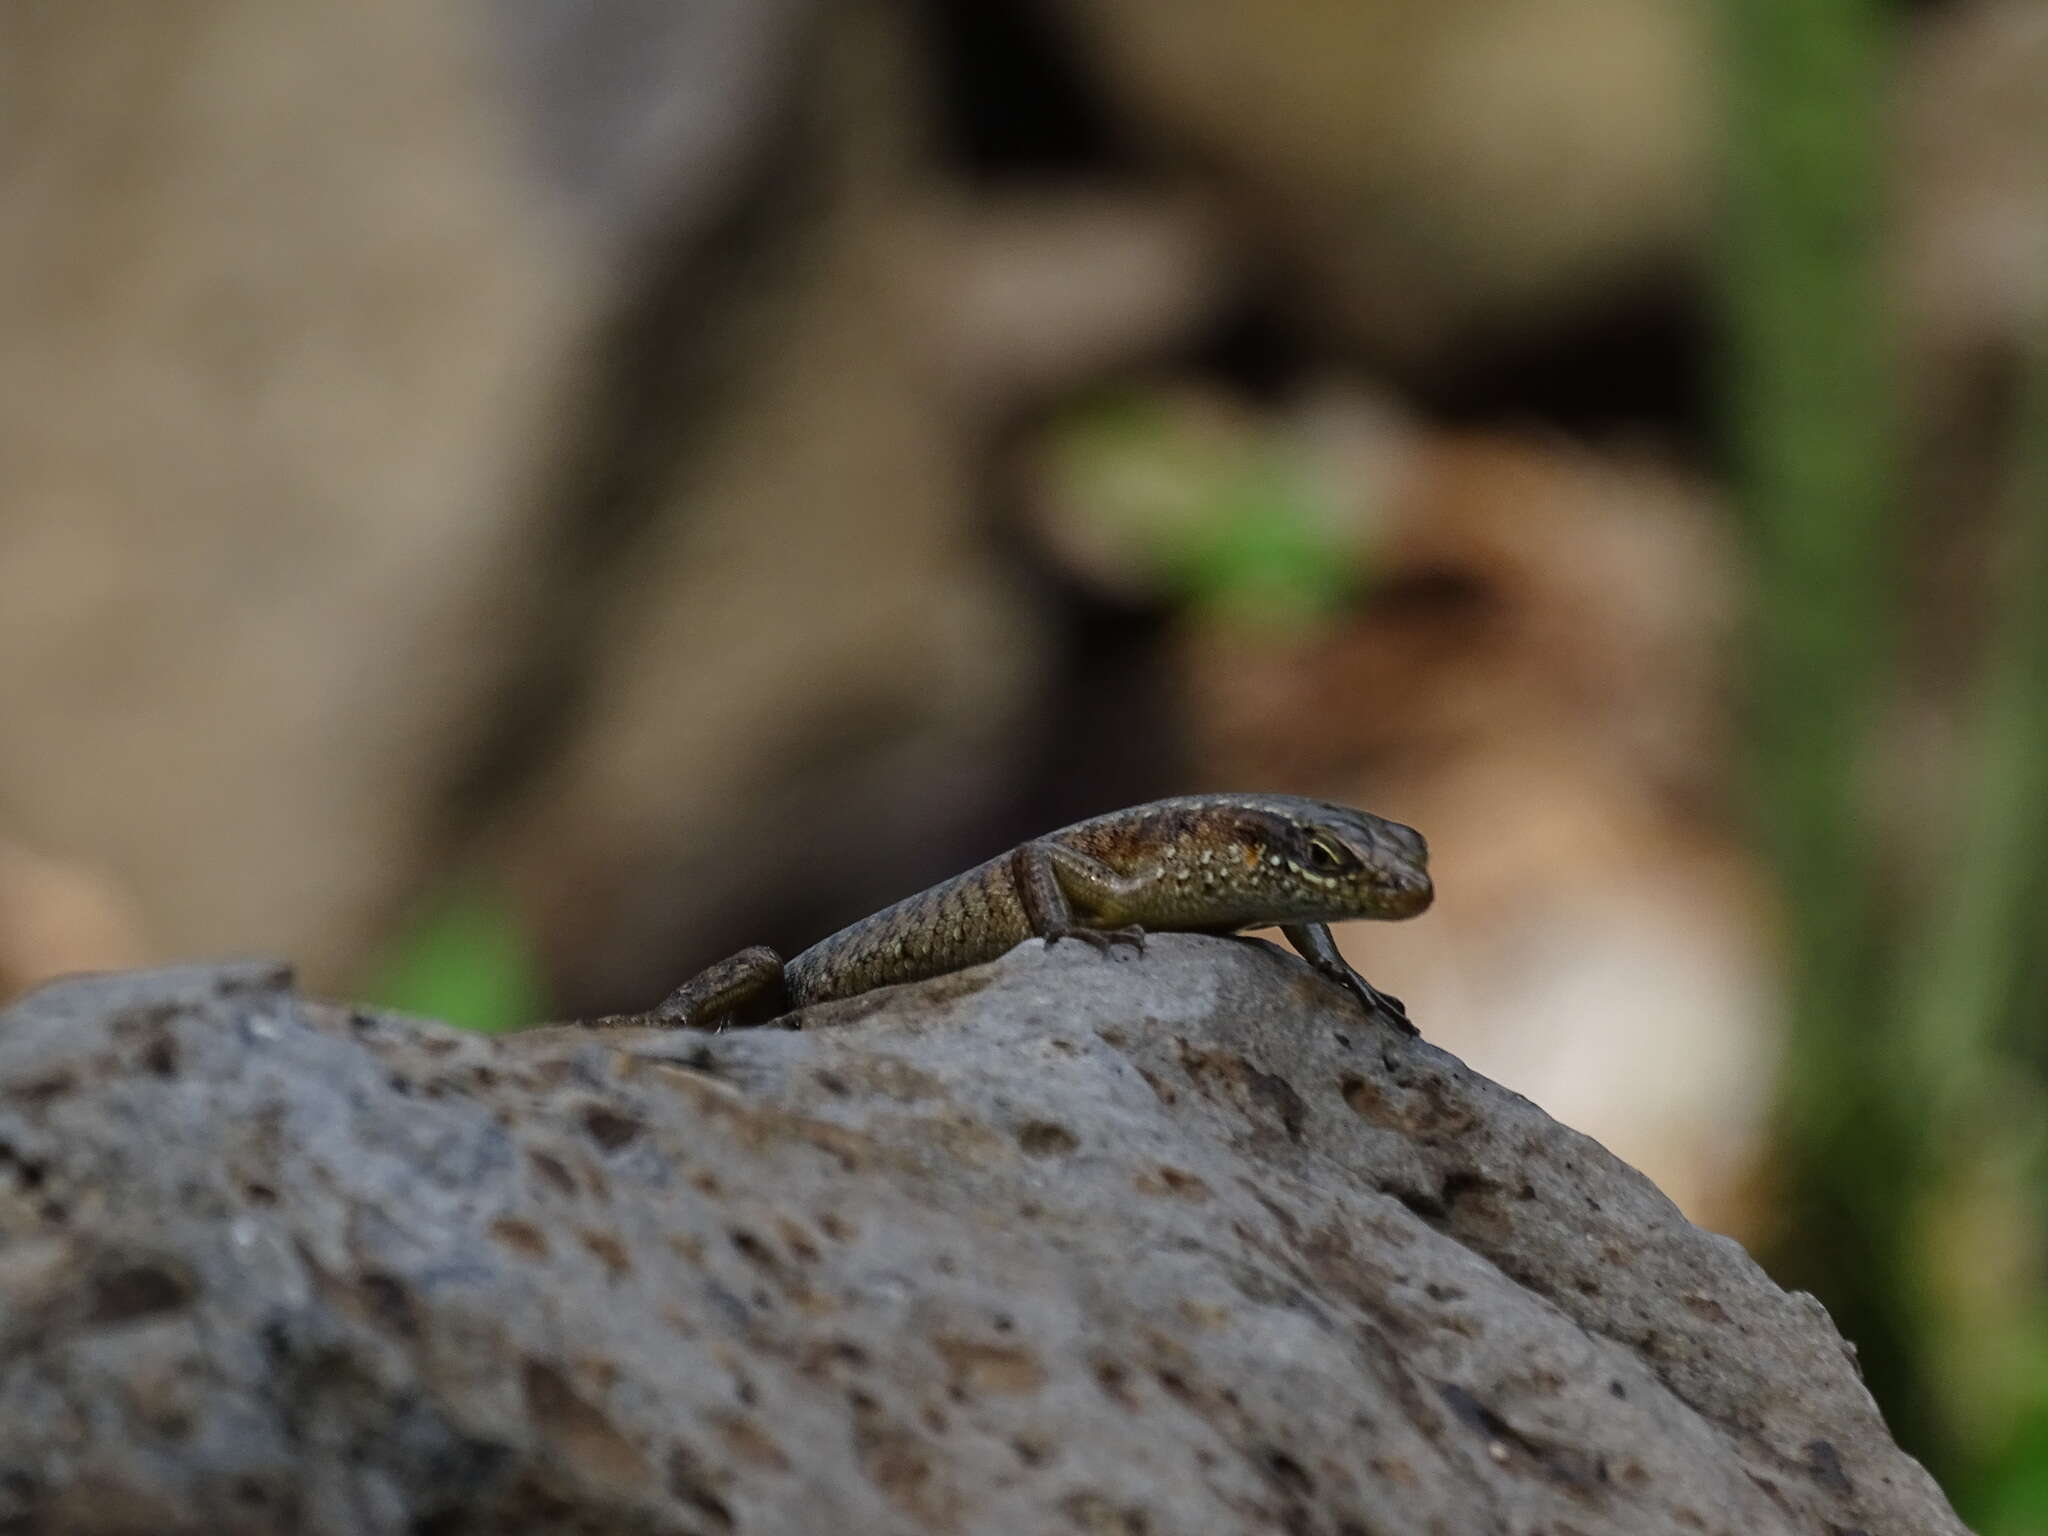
<point x="1213" y="863"/>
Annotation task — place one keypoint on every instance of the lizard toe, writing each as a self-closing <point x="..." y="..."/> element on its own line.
<point x="1089" y="936"/>
<point x="1393" y="1010"/>
<point x="1101" y="940"/>
<point x="1385" y="1004"/>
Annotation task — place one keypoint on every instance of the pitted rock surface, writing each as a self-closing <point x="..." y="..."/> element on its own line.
<point x="1158" y="1246"/>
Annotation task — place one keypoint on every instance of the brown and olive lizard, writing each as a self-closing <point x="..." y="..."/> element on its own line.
<point x="1194" y="864"/>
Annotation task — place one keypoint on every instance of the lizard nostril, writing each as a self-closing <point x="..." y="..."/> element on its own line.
<point x="1421" y="892"/>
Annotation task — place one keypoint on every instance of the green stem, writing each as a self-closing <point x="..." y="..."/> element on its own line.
<point x="1814" y="424"/>
<point x="1983" y="927"/>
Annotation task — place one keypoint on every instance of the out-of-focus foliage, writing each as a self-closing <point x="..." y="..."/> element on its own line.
<point x="467" y="960"/>
<point x="1913" y="1106"/>
<point x="1224" y="515"/>
<point x="1974" y="1070"/>
<point x="1811" y="406"/>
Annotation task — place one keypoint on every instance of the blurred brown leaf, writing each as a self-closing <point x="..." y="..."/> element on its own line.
<point x="57" y="917"/>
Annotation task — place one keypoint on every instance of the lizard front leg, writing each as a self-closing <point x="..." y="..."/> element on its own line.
<point x="707" y="997"/>
<point x="1054" y="882"/>
<point x="1313" y="943"/>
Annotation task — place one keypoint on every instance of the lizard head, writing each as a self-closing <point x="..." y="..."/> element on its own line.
<point x="1336" y="863"/>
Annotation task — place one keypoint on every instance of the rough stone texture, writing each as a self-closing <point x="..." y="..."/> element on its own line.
<point x="1174" y="1244"/>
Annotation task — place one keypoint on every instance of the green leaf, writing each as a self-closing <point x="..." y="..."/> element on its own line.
<point x="466" y="961"/>
<point x="1262" y="548"/>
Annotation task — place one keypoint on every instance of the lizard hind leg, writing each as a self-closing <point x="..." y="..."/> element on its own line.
<point x="1049" y="877"/>
<point x="707" y="998"/>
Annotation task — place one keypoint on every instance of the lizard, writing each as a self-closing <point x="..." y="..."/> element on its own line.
<point x="1215" y="863"/>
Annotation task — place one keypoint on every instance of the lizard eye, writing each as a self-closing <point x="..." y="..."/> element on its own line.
<point x="1327" y="856"/>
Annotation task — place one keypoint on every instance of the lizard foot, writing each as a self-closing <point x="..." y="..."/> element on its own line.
<point x="1386" y="1005"/>
<point x="1102" y="940"/>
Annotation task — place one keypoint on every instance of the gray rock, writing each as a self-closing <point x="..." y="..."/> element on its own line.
<point x="1176" y="1244"/>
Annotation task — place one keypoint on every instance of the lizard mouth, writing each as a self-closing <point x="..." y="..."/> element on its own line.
<point x="1405" y="895"/>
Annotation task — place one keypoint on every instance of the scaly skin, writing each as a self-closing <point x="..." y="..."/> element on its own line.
<point x="1194" y="864"/>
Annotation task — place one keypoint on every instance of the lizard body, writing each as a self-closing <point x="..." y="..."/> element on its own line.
<point x="1192" y="864"/>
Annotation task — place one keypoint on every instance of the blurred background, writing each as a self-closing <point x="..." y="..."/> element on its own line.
<point x="505" y="501"/>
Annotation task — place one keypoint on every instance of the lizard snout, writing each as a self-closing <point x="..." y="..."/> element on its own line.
<point x="1406" y="892"/>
